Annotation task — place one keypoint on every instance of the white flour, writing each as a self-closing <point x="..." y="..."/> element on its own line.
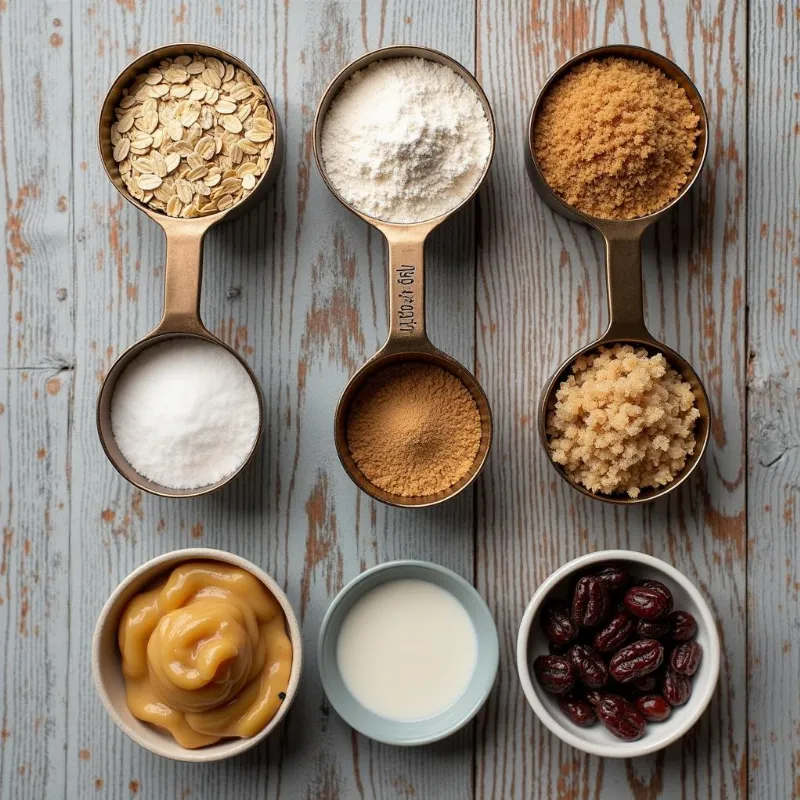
<point x="405" y="140"/>
<point x="185" y="414"/>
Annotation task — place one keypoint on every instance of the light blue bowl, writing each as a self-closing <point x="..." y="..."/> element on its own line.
<point x="418" y="731"/>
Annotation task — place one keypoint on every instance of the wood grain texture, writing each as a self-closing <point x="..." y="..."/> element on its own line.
<point x="35" y="186"/>
<point x="544" y="303"/>
<point x="774" y="390"/>
<point x="34" y="573"/>
<point x="298" y="288"/>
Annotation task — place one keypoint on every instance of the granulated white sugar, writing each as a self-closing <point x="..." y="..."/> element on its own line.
<point x="405" y="140"/>
<point x="185" y="413"/>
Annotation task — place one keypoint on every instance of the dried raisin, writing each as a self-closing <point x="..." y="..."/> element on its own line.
<point x="636" y="660"/>
<point x="686" y="657"/>
<point x="557" y="623"/>
<point x="613" y="577"/>
<point x="615" y="632"/>
<point x="653" y="707"/>
<point x="647" y="602"/>
<point x="684" y="626"/>
<point x="589" y="602"/>
<point x="589" y="667"/>
<point x="621" y="717"/>
<point x="652" y="628"/>
<point x="554" y="673"/>
<point x="579" y="711"/>
<point x="676" y="688"/>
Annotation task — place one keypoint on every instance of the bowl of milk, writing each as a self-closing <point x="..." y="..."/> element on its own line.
<point x="408" y="652"/>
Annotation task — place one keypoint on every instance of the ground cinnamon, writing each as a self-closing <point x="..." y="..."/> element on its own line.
<point x="616" y="138"/>
<point x="414" y="429"/>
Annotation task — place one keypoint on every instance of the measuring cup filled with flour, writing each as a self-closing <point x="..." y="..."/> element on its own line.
<point x="404" y="137"/>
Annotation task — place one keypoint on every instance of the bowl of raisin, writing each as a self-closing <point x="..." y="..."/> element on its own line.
<point x="618" y="653"/>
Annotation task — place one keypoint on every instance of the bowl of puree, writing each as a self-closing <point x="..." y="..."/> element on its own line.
<point x="197" y="655"/>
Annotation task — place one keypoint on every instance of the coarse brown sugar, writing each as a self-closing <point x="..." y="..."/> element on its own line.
<point x="615" y="138"/>
<point x="414" y="429"/>
<point x="622" y="421"/>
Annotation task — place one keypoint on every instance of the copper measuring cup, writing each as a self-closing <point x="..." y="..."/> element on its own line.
<point x="623" y="241"/>
<point x="184" y="264"/>
<point x="407" y="339"/>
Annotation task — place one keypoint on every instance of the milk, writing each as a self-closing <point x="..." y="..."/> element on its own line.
<point x="407" y="650"/>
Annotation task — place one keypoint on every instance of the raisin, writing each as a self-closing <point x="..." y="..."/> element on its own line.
<point x="613" y="577"/>
<point x="621" y="717"/>
<point x="557" y="623"/>
<point x="647" y="602"/>
<point x="647" y="683"/>
<point x="685" y="658"/>
<point x="684" y="626"/>
<point x="589" y="602"/>
<point x="589" y="667"/>
<point x="653" y="707"/>
<point x="676" y="688"/>
<point x="652" y="629"/>
<point x="614" y="633"/>
<point x="593" y="696"/>
<point x="636" y="660"/>
<point x="663" y="589"/>
<point x="554" y="673"/>
<point x="579" y="711"/>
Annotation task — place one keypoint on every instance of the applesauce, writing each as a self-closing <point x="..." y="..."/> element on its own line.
<point x="205" y="654"/>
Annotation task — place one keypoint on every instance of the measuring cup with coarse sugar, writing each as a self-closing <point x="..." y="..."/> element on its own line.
<point x="184" y="262"/>
<point x="623" y="243"/>
<point x="407" y="340"/>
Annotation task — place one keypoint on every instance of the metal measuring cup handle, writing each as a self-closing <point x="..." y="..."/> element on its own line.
<point x="183" y="276"/>
<point x="624" y="280"/>
<point x="406" y="245"/>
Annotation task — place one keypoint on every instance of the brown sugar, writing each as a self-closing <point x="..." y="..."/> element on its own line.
<point x="623" y="421"/>
<point x="414" y="429"/>
<point x="615" y="138"/>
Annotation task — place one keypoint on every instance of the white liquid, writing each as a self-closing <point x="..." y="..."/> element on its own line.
<point x="407" y="650"/>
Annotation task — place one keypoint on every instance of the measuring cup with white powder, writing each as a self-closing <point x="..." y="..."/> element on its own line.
<point x="180" y="413"/>
<point x="406" y="140"/>
<point x="185" y="414"/>
<point x="403" y="137"/>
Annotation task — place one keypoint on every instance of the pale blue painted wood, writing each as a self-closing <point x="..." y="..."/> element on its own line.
<point x="35" y="185"/>
<point x="34" y="579"/>
<point x="298" y="288"/>
<point x="773" y="490"/>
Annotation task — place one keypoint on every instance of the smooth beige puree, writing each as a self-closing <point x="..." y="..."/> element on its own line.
<point x="205" y="654"/>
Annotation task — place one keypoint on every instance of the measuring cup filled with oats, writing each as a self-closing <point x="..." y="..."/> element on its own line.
<point x="189" y="135"/>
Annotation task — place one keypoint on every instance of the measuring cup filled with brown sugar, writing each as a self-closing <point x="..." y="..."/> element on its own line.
<point x="413" y="426"/>
<point x="602" y="447"/>
<point x="188" y="135"/>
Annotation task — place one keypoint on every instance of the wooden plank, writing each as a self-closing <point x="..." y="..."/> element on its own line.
<point x="34" y="573"/>
<point x="540" y="296"/>
<point x="298" y="287"/>
<point x="35" y="184"/>
<point x="774" y="390"/>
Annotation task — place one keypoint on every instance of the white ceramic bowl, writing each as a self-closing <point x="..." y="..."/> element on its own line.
<point x="531" y="642"/>
<point x="107" y="672"/>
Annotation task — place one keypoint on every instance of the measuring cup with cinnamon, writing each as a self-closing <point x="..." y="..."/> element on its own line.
<point x="407" y="340"/>
<point x="623" y="242"/>
<point x="184" y="261"/>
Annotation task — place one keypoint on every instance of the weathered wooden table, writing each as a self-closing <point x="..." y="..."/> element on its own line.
<point x="298" y="288"/>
